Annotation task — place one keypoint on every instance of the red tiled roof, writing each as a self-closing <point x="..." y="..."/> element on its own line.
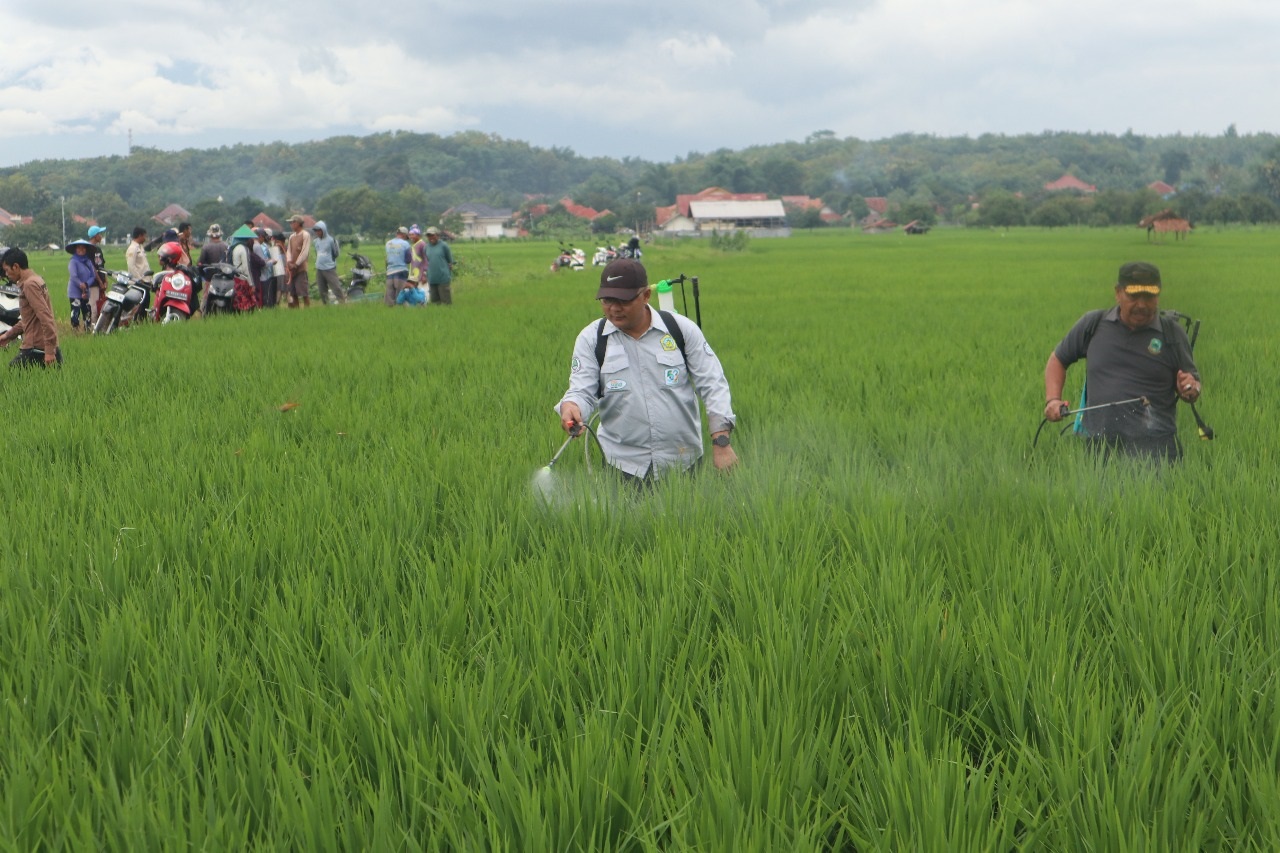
<point x="172" y="215"/>
<point x="879" y="204"/>
<point x="663" y="215"/>
<point x="1161" y="188"/>
<point x="579" y="210"/>
<point x="264" y="221"/>
<point x="1070" y="182"/>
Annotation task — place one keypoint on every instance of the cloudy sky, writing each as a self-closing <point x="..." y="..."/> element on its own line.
<point x="655" y="80"/>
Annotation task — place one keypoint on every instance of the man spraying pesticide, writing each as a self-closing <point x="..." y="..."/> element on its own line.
<point x="643" y="371"/>
<point x="1138" y="365"/>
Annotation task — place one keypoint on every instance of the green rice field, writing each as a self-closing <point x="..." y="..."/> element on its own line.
<point x="228" y="623"/>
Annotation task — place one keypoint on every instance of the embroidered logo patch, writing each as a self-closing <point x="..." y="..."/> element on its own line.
<point x="616" y="384"/>
<point x="1155" y="346"/>
<point x="576" y="365"/>
<point x="668" y="343"/>
<point x="707" y="349"/>
<point x="673" y="375"/>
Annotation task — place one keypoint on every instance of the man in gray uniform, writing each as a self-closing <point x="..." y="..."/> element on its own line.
<point x="641" y="382"/>
<point x="1130" y="352"/>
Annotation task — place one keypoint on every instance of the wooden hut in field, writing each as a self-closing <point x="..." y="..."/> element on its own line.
<point x="1166" y="222"/>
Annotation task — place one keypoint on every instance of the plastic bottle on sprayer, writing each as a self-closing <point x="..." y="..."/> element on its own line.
<point x="666" y="300"/>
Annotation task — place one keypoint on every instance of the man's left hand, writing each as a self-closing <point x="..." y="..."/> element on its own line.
<point x="50" y="357"/>
<point x="724" y="458"/>
<point x="1188" y="386"/>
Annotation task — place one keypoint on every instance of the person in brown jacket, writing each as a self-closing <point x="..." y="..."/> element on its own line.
<point x="35" y="324"/>
<point x="298" y="249"/>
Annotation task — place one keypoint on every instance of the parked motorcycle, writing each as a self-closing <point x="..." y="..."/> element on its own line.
<point x="361" y="276"/>
<point x="175" y="295"/>
<point x="9" y="315"/>
<point x="574" y="259"/>
<point x="220" y="281"/>
<point x="603" y="255"/>
<point x="125" y="302"/>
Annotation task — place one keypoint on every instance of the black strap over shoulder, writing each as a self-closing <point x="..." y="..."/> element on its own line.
<point x="602" y="343"/>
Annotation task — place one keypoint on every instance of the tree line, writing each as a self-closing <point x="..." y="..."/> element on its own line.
<point x="369" y="185"/>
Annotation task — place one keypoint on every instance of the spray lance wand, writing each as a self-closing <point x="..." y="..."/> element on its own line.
<point x="1068" y="411"/>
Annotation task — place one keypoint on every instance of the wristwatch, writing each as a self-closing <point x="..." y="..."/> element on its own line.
<point x="721" y="440"/>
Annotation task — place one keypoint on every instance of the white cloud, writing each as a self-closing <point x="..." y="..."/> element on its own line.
<point x="625" y="79"/>
<point x="696" y="52"/>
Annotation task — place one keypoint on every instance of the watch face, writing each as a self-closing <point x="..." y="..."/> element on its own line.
<point x="720" y="441"/>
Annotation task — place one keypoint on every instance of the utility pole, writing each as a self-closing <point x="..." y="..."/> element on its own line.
<point x="64" y="219"/>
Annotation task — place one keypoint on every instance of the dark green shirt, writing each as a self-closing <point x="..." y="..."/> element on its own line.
<point x="439" y="263"/>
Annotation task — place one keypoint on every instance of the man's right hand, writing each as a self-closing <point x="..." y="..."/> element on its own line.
<point x="1055" y="410"/>
<point x="570" y="417"/>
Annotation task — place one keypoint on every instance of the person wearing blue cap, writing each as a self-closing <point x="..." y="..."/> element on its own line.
<point x="96" y="233"/>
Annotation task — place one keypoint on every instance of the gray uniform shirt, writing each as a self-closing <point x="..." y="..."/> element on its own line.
<point x="649" y="413"/>
<point x="1122" y="363"/>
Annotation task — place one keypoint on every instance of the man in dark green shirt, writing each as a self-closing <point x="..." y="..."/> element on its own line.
<point x="439" y="268"/>
<point x="1130" y="352"/>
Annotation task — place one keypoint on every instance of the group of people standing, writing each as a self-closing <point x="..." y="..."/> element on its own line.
<point x="273" y="265"/>
<point x="429" y="262"/>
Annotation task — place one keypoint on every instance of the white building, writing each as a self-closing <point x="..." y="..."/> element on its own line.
<point x="765" y="218"/>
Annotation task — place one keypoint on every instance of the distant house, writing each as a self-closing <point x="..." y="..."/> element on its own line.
<point x="1162" y="189"/>
<point x="1070" y="182"/>
<point x="877" y="220"/>
<point x="264" y="221"/>
<point x="714" y="194"/>
<point x="804" y="202"/>
<point x="7" y="219"/>
<point x="172" y="215"/>
<point x="83" y="220"/>
<point x="759" y="217"/>
<point x="716" y="209"/>
<point x="480" y="220"/>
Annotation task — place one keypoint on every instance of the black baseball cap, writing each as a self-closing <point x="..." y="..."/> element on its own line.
<point x="622" y="279"/>
<point x="1139" y="277"/>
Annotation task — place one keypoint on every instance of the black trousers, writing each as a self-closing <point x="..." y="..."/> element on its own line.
<point x="33" y="358"/>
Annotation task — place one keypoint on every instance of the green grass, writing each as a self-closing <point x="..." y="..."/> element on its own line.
<point x="351" y="626"/>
